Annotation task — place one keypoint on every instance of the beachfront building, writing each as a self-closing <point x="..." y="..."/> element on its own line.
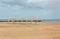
<point x="23" y="20"/>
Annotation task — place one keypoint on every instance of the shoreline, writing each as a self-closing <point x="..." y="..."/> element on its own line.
<point x="28" y="24"/>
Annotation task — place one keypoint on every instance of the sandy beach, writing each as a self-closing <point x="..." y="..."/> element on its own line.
<point x="30" y="31"/>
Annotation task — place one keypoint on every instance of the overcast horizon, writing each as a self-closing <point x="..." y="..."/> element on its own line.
<point x="45" y="9"/>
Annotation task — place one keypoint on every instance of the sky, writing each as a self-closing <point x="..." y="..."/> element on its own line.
<point x="44" y="9"/>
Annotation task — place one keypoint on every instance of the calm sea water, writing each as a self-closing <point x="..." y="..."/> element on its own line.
<point x="51" y="21"/>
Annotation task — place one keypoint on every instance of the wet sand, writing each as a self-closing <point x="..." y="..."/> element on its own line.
<point x="30" y="31"/>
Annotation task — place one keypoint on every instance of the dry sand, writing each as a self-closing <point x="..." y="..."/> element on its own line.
<point x="30" y="31"/>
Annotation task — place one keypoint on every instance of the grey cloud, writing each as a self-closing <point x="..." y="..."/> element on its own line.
<point x="22" y="3"/>
<point x="34" y="4"/>
<point x="37" y="3"/>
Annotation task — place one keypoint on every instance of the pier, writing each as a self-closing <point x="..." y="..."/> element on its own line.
<point x="23" y="20"/>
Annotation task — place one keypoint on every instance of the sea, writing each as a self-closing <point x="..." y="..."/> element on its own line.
<point x="51" y="20"/>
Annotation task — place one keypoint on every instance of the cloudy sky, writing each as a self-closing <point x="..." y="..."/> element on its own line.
<point x="45" y="9"/>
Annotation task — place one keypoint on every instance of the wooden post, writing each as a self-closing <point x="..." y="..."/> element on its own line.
<point x="12" y="19"/>
<point x="32" y="21"/>
<point x="8" y="21"/>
